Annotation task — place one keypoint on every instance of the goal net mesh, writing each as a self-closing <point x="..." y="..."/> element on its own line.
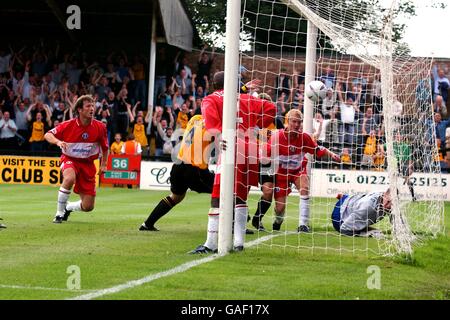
<point x="387" y="141"/>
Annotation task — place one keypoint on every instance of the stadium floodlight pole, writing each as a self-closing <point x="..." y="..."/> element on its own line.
<point x="310" y="75"/>
<point x="152" y="62"/>
<point x="227" y="157"/>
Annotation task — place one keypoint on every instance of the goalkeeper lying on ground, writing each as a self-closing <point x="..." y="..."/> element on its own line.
<point x="354" y="214"/>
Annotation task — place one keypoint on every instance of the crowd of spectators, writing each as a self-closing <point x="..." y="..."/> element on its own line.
<point x="39" y="85"/>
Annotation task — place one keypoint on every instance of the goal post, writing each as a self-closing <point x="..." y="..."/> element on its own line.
<point x="227" y="164"/>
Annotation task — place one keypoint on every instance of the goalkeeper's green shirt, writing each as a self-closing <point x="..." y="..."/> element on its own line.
<point x="402" y="151"/>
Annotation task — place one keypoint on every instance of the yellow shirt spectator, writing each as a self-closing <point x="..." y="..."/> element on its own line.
<point x="37" y="133"/>
<point x="139" y="133"/>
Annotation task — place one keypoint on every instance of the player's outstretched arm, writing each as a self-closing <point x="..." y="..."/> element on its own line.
<point x="50" y="137"/>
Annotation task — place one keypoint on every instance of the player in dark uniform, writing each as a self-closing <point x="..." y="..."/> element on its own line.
<point x="189" y="172"/>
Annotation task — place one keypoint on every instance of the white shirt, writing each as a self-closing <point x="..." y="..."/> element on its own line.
<point x="316" y="126"/>
<point x="397" y="108"/>
<point x="347" y="113"/>
<point x="6" y="132"/>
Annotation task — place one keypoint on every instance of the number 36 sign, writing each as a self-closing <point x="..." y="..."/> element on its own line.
<point x="122" y="169"/>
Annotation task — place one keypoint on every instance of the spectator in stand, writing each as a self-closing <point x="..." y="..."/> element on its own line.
<point x="164" y="124"/>
<point x="103" y="115"/>
<point x="37" y="140"/>
<point x="8" y="104"/>
<point x="183" y="116"/>
<point x="185" y="84"/>
<point x="122" y="112"/>
<point x="39" y="63"/>
<point x="74" y="72"/>
<point x="177" y="98"/>
<point x="332" y="135"/>
<point x="21" y="123"/>
<point x="131" y="147"/>
<point x="282" y="85"/>
<point x="182" y="64"/>
<point x="423" y="94"/>
<point x="370" y="149"/>
<point x="56" y="75"/>
<point x="319" y="128"/>
<point x="348" y="110"/>
<point x="204" y="67"/>
<point x="59" y="111"/>
<point x="297" y="94"/>
<point x="65" y="65"/>
<point x="440" y="107"/>
<point x="102" y="89"/>
<point x="139" y="125"/>
<point x="8" y="131"/>
<point x="123" y="70"/>
<point x="167" y="138"/>
<point x="367" y="124"/>
<point x="441" y="83"/>
<point x="441" y="157"/>
<point x="201" y="92"/>
<point x="441" y="126"/>
<point x="379" y="158"/>
<point x="139" y="81"/>
<point x="328" y="78"/>
<point x="346" y="159"/>
<point x="116" y="146"/>
<point x="328" y="103"/>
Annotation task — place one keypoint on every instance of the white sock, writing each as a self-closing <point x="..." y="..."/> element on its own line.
<point x="212" y="237"/>
<point x="304" y="211"/>
<point x="63" y="196"/>
<point x="240" y="221"/>
<point x="74" y="206"/>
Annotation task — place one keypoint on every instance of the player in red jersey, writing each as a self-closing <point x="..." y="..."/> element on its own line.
<point x="81" y="140"/>
<point x="253" y="114"/>
<point x="287" y="150"/>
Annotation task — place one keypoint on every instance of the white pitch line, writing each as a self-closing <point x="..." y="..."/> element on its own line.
<point x="41" y="288"/>
<point x="159" y="275"/>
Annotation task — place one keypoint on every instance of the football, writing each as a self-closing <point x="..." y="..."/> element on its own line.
<point x="315" y="90"/>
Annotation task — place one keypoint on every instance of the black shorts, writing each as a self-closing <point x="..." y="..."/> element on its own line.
<point x="403" y="168"/>
<point x="185" y="176"/>
<point x="265" y="174"/>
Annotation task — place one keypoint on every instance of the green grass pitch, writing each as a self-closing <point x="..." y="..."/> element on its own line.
<point x="109" y="251"/>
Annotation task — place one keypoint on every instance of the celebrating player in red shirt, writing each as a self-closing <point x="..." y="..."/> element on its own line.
<point x="287" y="150"/>
<point x="81" y="140"/>
<point x="253" y="114"/>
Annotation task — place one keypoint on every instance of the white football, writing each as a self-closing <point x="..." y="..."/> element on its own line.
<point x="315" y="90"/>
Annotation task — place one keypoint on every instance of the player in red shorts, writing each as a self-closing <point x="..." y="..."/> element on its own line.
<point x="287" y="150"/>
<point x="81" y="140"/>
<point x="253" y="114"/>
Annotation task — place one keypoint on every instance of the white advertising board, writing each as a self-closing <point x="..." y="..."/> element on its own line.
<point x="326" y="183"/>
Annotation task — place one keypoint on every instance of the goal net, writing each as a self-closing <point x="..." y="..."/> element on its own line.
<point x="377" y="115"/>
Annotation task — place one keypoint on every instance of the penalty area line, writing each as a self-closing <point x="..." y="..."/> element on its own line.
<point x="152" y="277"/>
